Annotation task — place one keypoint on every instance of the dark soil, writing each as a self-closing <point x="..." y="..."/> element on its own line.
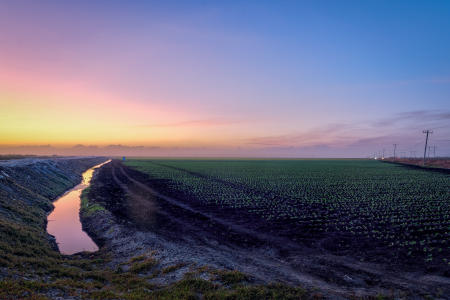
<point x="238" y="227"/>
<point x="332" y="262"/>
<point x="443" y="163"/>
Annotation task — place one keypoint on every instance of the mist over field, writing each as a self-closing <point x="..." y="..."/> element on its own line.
<point x="343" y="142"/>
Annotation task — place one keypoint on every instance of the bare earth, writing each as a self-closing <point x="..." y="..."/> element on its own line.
<point x="140" y="219"/>
<point x="430" y="162"/>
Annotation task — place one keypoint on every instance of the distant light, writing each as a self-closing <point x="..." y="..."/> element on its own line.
<point x="123" y="158"/>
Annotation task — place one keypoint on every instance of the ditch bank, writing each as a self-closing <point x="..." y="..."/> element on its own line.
<point x="29" y="186"/>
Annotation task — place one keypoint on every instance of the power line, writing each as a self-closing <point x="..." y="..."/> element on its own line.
<point x="428" y="132"/>
<point x="395" y="147"/>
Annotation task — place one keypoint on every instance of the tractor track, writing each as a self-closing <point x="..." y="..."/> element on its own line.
<point x="182" y="231"/>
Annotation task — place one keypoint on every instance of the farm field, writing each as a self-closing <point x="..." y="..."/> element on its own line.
<point x="365" y="209"/>
<point x="439" y="162"/>
<point x="189" y="229"/>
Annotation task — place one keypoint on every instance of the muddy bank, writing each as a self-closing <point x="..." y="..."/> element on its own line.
<point x="45" y="177"/>
<point x="33" y="183"/>
<point x="135" y="219"/>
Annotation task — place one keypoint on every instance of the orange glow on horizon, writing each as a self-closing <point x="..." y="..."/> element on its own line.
<point x="68" y="115"/>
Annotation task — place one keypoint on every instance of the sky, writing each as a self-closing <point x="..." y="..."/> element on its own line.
<point x="224" y="78"/>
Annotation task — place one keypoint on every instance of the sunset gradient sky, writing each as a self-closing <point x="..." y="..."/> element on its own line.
<point x="229" y="78"/>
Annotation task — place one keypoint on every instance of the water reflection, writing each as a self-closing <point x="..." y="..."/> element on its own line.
<point x="64" y="221"/>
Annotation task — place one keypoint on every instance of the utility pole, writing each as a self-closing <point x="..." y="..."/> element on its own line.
<point x="428" y="132"/>
<point x="434" y="151"/>
<point x="395" y="147"/>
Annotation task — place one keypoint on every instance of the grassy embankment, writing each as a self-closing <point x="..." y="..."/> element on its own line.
<point x="30" y="268"/>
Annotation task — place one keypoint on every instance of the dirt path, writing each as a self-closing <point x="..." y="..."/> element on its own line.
<point x="217" y="221"/>
<point x="181" y="232"/>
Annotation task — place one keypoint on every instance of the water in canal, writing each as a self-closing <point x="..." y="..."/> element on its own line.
<point x="64" y="221"/>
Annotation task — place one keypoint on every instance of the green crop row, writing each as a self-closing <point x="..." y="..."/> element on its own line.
<point x="395" y="206"/>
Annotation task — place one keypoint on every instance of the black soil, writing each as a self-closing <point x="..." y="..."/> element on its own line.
<point x="146" y="204"/>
